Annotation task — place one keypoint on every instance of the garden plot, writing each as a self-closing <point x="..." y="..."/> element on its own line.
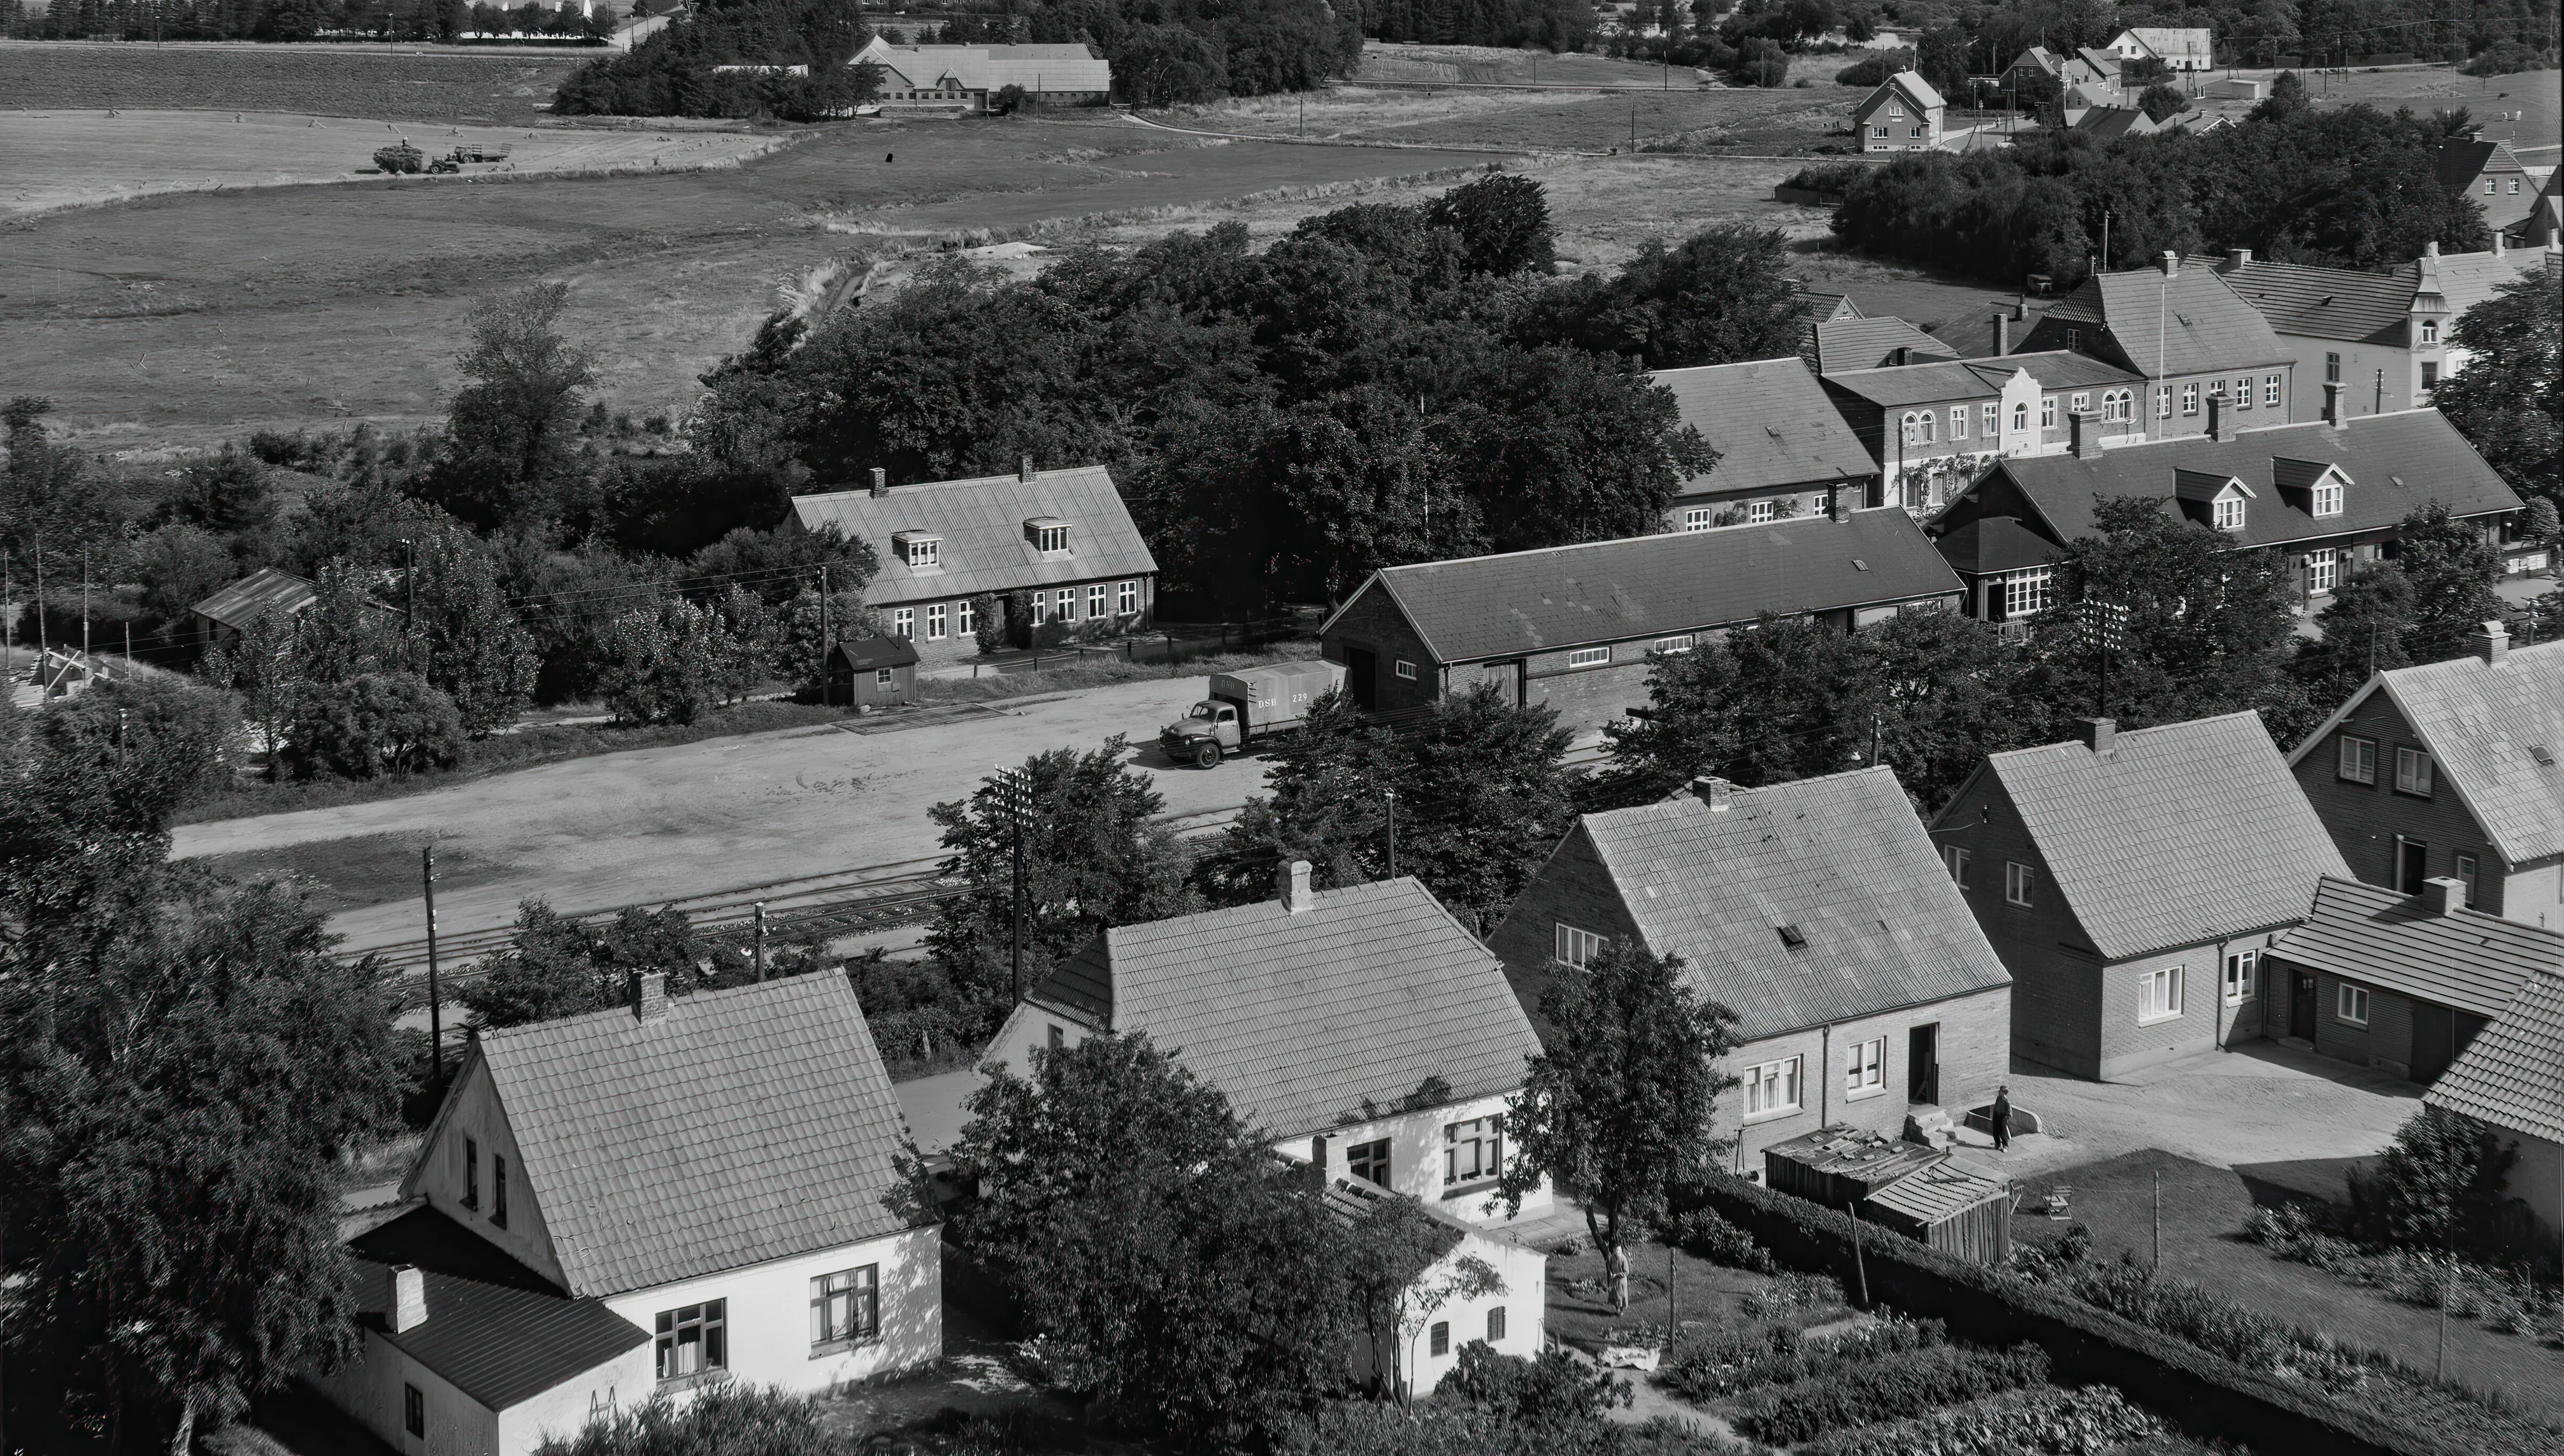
<point x="490" y="86"/>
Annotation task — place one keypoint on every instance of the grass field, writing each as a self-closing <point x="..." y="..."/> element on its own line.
<point x="407" y="83"/>
<point x="69" y="159"/>
<point x="1787" y="123"/>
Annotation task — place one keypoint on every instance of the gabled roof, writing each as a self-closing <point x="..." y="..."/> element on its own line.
<point x="1816" y="306"/>
<point x="2497" y="738"/>
<point x="1868" y="344"/>
<point x="2511" y="1076"/>
<point x="1548" y="600"/>
<point x="741" y="1126"/>
<point x="2038" y="57"/>
<point x="2188" y="321"/>
<point x="1895" y="386"/>
<point x="2401" y="461"/>
<point x="1841" y="860"/>
<point x="982" y="523"/>
<point x="2460" y="162"/>
<point x="1917" y="93"/>
<point x="2466" y="959"/>
<point x="264" y="590"/>
<point x="863" y="654"/>
<point x="2109" y="124"/>
<point x="2182" y="834"/>
<point x="1996" y="543"/>
<point x="2364" y="307"/>
<point x="1040" y="67"/>
<point x="1770" y="422"/>
<point x="2101" y="60"/>
<point x="495" y="1329"/>
<point x="2170" y="41"/>
<point x="1299" y="1017"/>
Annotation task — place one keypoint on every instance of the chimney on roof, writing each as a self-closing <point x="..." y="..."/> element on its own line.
<point x="2083" y="435"/>
<point x="2100" y="735"/>
<point x="2500" y="245"/>
<point x="406" y="1298"/>
<point x="2002" y="334"/>
<point x="2443" y="894"/>
<point x="881" y="483"/>
<point x="2333" y="413"/>
<point x="1840" y="507"/>
<point x="649" y="994"/>
<point x="1900" y="356"/>
<point x="2237" y="257"/>
<point x="2216" y="421"/>
<point x="2430" y="249"/>
<point x="2171" y="263"/>
<point x="1318" y="1173"/>
<point x="1025" y="474"/>
<point x="2491" y="642"/>
<point x="1715" y="792"/>
<point x="1292" y="882"/>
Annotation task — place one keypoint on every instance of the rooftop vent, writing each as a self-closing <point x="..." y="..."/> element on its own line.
<point x="1793" y="937"/>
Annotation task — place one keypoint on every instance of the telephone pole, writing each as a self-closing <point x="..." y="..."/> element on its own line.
<point x="1014" y="799"/>
<point x="435" y="1007"/>
<point x="826" y="698"/>
<point x="760" y="939"/>
<point x="1393" y="832"/>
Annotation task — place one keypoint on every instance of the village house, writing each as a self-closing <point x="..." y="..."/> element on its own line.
<point x="1933" y="426"/>
<point x="2512" y="1082"/>
<point x="2331" y="497"/>
<point x="2131" y="882"/>
<point x="1902" y="115"/>
<point x="1445" y="1308"/>
<point x="641" y="1200"/>
<point x="2188" y="332"/>
<point x="1573" y="627"/>
<point x="1782" y="450"/>
<point x="1053" y="555"/>
<point x="2110" y="124"/>
<point x="2398" y="981"/>
<point x="1818" y="305"/>
<point x="1868" y="344"/>
<point x="1817" y="911"/>
<point x="965" y="78"/>
<point x="2489" y="174"/>
<point x="2383" y="336"/>
<point x="2191" y="48"/>
<point x="2091" y="71"/>
<point x="2451" y="770"/>
<point x="1364" y="1029"/>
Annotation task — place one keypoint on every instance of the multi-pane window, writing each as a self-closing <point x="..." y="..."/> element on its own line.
<point x="1962" y="864"/>
<point x="2020" y="416"/>
<point x="845" y="1306"/>
<point x="2020" y="882"/>
<point x="1917" y="426"/>
<point x="902" y="622"/>
<point x="2466" y="869"/>
<point x="2332" y="368"/>
<point x="935" y="620"/>
<point x="2080" y="402"/>
<point x="1126" y="598"/>
<point x="2429" y="331"/>
<point x="1589" y="657"/>
<point x="1696" y="517"/>
<point x="1406" y="670"/>
<point x="1441" y="1337"/>
<point x="1064" y="602"/>
<point x="1576" y="947"/>
<point x="2029" y="591"/>
<point x="1865" y="1072"/>
<point x="2163" y="401"/>
<point x="1681" y="642"/>
<point x="2323" y="568"/>
<point x="1369" y="1161"/>
<point x="2357" y="761"/>
<point x="498" y="1191"/>
<point x="2216" y="389"/>
<point x="2413" y="771"/>
<point x="471" y="1173"/>
<point x="1095" y="600"/>
<point x="2271" y="389"/>
<point x="924" y="552"/>
<point x="2115" y="404"/>
<point x="1771" y="1087"/>
<point x="1496" y="1324"/>
<point x="884" y="677"/>
<point x="965" y="618"/>
<point x="2328" y="498"/>
<point x="1050" y="538"/>
<point x="2190" y="399"/>
<point x="413" y="1410"/>
<point x="2241" y="970"/>
<point x="1472" y="1151"/>
<point x="2243" y="391"/>
<point x="2229" y="512"/>
<point x="693" y="1339"/>
<point x="1958" y="422"/>
<point x="1989" y="420"/>
<point x="2351" y="1004"/>
<point x="1759" y="511"/>
<point x="2159" y="994"/>
<point x="2047" y="412"/>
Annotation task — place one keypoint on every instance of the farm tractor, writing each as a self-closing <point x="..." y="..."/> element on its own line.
<point x="401" y="157"/>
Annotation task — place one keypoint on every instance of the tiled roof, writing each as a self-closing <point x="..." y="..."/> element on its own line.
<point x="2039" y="57"/>
<point x="1039" y="67"/>
<point x="2509" y="1075"/>
<point x="1841" y="860"/>
<point x="1770" y="422"/>
<point x="2102" y="61"/>
<point x="1996" y="543"/>
<point x="2188" y="321"/>
<point x="1868" y="344"/>
<point x="1300" y="1017"/>
<point x="2464" y="958"/>
<point x="1816" y="306"/>
<point x="1655" y="585"/>
<point x="2460" y="162"/>
<point x="1894" y="386"/>
<point x="2397" y="462"/>
<point x="981" y="525"/>
<point x="2184" y="833"/>
<point x="495" y="1329"/>
<point x="2355" y="306"/>
<point x="2108" y="123"/>
<point x="741" y="1126"/>
<point x="2496" y="736"/>
<point x="1917" y="91"/>
<point x="264" y="590"/>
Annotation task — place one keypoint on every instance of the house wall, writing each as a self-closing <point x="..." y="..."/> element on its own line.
<point x="2128" y="1045"/>
<point x="1415" y="1161"/>
<point x="2098" y="342"/>
<point x="1570" y="887"/>
<point x="564" y="1409"/>
<point x="768" y="1312"/>
<point x="2537" y="1180"/>
<point x="2366" y="820"/>
<point x="438" y="1176"/>
<point x="2385" y="1042"/>
<point x="2360" y="362"/>
<point x="369" y="1387"/>
<point x="1975" y="1056"/>
<point x="956" y="645"/>
<point x="1525" y="1277"/>
<point x="1372" y="621"/>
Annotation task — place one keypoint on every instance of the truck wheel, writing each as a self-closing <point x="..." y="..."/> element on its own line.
<point x="1206" y="756"/>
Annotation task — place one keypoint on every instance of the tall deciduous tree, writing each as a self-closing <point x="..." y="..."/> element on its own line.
<point x="2451" y="565"/>
<point x="514" y="428"/>
<point x="2510" y="397"/>
<point x="1503" y="223"/>
<point x="555" y="966"/>
<point x="465" y="637"/>
<point x="2363" y="634"/>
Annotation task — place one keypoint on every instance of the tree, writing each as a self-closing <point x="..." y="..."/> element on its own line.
<point x="226" y="494"/>
<point x="1503" y="223"/>
<point x="2363" y="633"/>
<point x="179" y="567"/>
<point x="2162" y="101"/>
<point x="1722" y="294"/>
<point x="2287" y="100"/>
<point x="1619" y="1103"/>
<point x="555" y="966"/>
<point x="260" y="666"/>
<point x="2451" y="565"/>
<point x="1398" y="1245"/>
<point x="2439" y="1185"/>
<point x="2508" y="399"/>
<point x="371" y="726"/>
<point x="1943" y="692"/>
<point x="514" y="429"/>
<point x="1686" y="727"/>
<point x="1328" y="806"/>
<point x="466" y="639"/>
<point x="663" y="663"/>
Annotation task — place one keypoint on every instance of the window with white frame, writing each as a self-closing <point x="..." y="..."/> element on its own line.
<point x="1918" y="426"/>
<point x="2243" y="967"/>
<point x="2332" y="368"/>
<point x="1047" y="538"/>
<point x="2356" y="760"/>
<point x="1896" y="113"/>
<point x="1878" y="133"/>
<point x="1064" y="603"/>
<point x="2229" y="512"/>
<point x="1681" y="642"/>
<point x="1696" y="517"/>
<point x="902" y="622"/>
<point x="1406" y="670"/>
<point x="2327" y="499"/>
<point x="1369" y="1161"/>
<point x="1958" y="422"/>
<point x="936" y="616"/>
<point x="2467" y="871"/>
<point x="2429" y="331"/>
<point x="2190" y="399"/>
<point x="1989" y="420"/>
<point x="1962" y="864"/>
<point x="2488" y="187"/>
<point x="2323" y="569"/>
<point x="1126" y="598"/>
<point x="884" y="677"/>
<point x="2216" y="389"/>
<point x="1041" y="606"/>
<point x="1589" y="657"/>
<point x="2163" y="401"/>
<point x="1865" y="1070"/>
<point x="1472" y="1151"/>
<point x="2114" y="404"/>
<point x="1577" y="949"/>
<point x="2413" y="772"/>
<point x="2243" y="391"/>
<point x="1771" y="1087"/>
<point x="845" y="1306"/>
<point x="2350" y="1004"/>
<point x="2029" y="591"/>
<point x="2048" y="412"/>
<point x="2081" y="401"/>
<point x="2271" y="389"/>
<point x="1095" y="600"/>
<point x="2159" y="995"/>
<point x="966" y="617"/>
<point x="1758" y="512"/>
<point x="2020" y="416"/>
<point x="693" y="1339"/>
<point x="2020" y="882"/>
<point x="923" y="553"/>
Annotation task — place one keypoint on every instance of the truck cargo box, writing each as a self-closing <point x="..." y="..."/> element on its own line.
<point x="1279" y="695"/>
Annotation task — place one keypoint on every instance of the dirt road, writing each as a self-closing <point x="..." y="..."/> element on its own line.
<point x="656" y="824"/>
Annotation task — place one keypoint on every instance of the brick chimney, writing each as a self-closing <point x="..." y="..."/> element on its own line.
<point x="406" y="1297"/>
<point x="2100" y="735"/>
<point x="1715" y="792"/>
<point x="1292" y="879"/>
<point x="2334" y="413"/>
<point x="2491" y="642"/>
<point x="2443" y="894"/>
<point x="881" y="483"/>
<point x="2500" y="245"/>
<point x="649" y="994"/>
<point x="2216" y="421"/>
<point x="2083" y="435"/>
<point x="2002" y="334"/>
<point x="2237" y="257"/>
<point x="1025" y="472"/>
<point x="2171" y="263"/>
<point x="1319" y="1174"/>
<point x="1840" y="507"/>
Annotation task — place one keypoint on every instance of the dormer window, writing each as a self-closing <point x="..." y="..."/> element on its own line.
<point x="1048" y="535"/>
<point x="2328" y="498"/>
<point x="1895" y="113"/>
<point x="919" y="551"/>
<point x="2229" y="512"/>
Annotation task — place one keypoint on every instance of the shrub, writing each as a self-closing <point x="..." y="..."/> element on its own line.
<point x="663" y="663"/>
<point x="1793" y="1291"/>
<point x="1903" y="1385"/>
<point x="2510" y="1302"/>
<point x="1827" y="176"/>
<point x="1743" y="1361"/>
<point x="2439" y="1186"/>
<point x="373" y="725"/>
<point x="2043" y="1422"/>
<point x="1703" y="1234"/>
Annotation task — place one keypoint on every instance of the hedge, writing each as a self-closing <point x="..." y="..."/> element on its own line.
<point x="1915" y="1383"/>
<point x="1723" y="1365"/>
<point x="2202" y="1392"/>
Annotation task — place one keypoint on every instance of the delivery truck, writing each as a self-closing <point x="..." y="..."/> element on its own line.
<point x="1244" y="709"/>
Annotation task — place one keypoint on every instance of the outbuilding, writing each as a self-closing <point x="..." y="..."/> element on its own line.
<point x="872" y="672"/>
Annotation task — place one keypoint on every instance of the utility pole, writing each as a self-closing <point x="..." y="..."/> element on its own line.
<point x="435" y="1007"/>
<point x="2158" y="1221"/>
<point x="1393" y="832"/>
<point x="760" y="939"/>
<point x="1014" y="796"/>
<point x="826" y="697"/>
<point x="84" y="609"/>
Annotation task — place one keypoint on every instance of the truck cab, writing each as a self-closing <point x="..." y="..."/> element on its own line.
<point x="1211" y="728"/>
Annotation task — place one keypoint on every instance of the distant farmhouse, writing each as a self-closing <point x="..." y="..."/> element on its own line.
<point x="965" y="78"/>
<point x="2179" y="48"/>
<point x="1903" y="114"/>
<point x="2488" y="175"/>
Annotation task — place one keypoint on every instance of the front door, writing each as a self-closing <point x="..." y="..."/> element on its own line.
<point x="2301" y="1007"/>
<point x="1923" y="1064"/>
<point x="1361" y="671"/>
<point x="2409" y="860"/>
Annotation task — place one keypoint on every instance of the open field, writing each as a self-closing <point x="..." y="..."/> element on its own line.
<point x="66" y="158"/>
<point x="1787" y="123"/>
<point x="401" y="83"/>
<point x="1495" y="66"/>
<point x="2538" y="95"/>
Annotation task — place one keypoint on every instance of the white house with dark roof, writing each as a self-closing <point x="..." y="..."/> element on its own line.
<point x="1818" y="912"/>
<point x="1934" y="425"/>
<point x="2181" y="48"/>
<point x="2132" y="881"/>
<point x="1783" y="451"/>
<point x="675" y="1191"/>
<point x="1443" y="1314"/>
<point x="2511" y="1080"/>
<point x="1054" y="552"/>
<point x="1902" y="115"/>
<point x="1362" y="1028"/>
<point x="963" y="77"/>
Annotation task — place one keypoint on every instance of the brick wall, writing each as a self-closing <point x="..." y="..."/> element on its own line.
<point x="1588" y="697"/>
<point x="2055" y="994"/>
<point x="2128" y="1043"/>
<point x="1975" y="1035"/>
<point x="2387" y="1038"/>
<point x="1372" y="622"/>
<point x="955" y="644"/>
<point x="1572" y="887"/>
<point x="2365" y="819"/>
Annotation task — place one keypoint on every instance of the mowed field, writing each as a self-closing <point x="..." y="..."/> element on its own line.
<point x="1780" y="123"/>
<point x="71" y="158"/>
<point x="401" y="83"/>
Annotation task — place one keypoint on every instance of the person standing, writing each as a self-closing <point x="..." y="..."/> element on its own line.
<point x="2002" y="1118"/>
<point x="1617" y="1267"/>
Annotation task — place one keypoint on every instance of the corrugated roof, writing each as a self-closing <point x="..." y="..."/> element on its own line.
<point x="2397" y="462"/>
<point x="981" y="523"/>
<point x="1870" y="343"/>
<point x="2464" y="958"/>
<point x="1840" y="858"/>
<point x="1300" y="1017"/>
<point x="1931" y="1195"/>
<point x="495" y="1329"/>
<point x="264" y="590"/>
<point x="2184" y="833"/>
<point x="861" y="654"/>
<point x="1770" y="422"/>
<point x="2511" y="1074"/>
<point x="2188" y="321"/>
<point x="2496" y="734"/>
<point x="1654" y="585"/>
<point x="1996" y="543"/>
<point x="742" y="1125"/>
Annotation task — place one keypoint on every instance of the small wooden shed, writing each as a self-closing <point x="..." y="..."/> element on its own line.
<point x="1840" y="1165"/>
<point x="1955" y="1209"/>
<point x="872" y="672"/>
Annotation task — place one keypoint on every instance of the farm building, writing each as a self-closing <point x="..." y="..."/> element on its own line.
<point x="872" y="672"/>
<point x="929" y="78"/>
<point x="229" y="612"/>
<point x="1907" y="1187"/>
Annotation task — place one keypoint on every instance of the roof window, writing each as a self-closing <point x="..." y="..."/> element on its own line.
<point x="919" y="550"/>
<point x="1048" y="535"/>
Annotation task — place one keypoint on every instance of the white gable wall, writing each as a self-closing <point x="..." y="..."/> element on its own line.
<point x="473" y="1111"/>
<point x="767" y="1314"/>
<point x="1524" y="1276"/>
<point x="369" y="1387"/>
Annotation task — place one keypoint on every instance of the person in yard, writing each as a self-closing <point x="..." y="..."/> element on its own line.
<point x="2002" y="1118"/>
<point x="1616" y="1268"/>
